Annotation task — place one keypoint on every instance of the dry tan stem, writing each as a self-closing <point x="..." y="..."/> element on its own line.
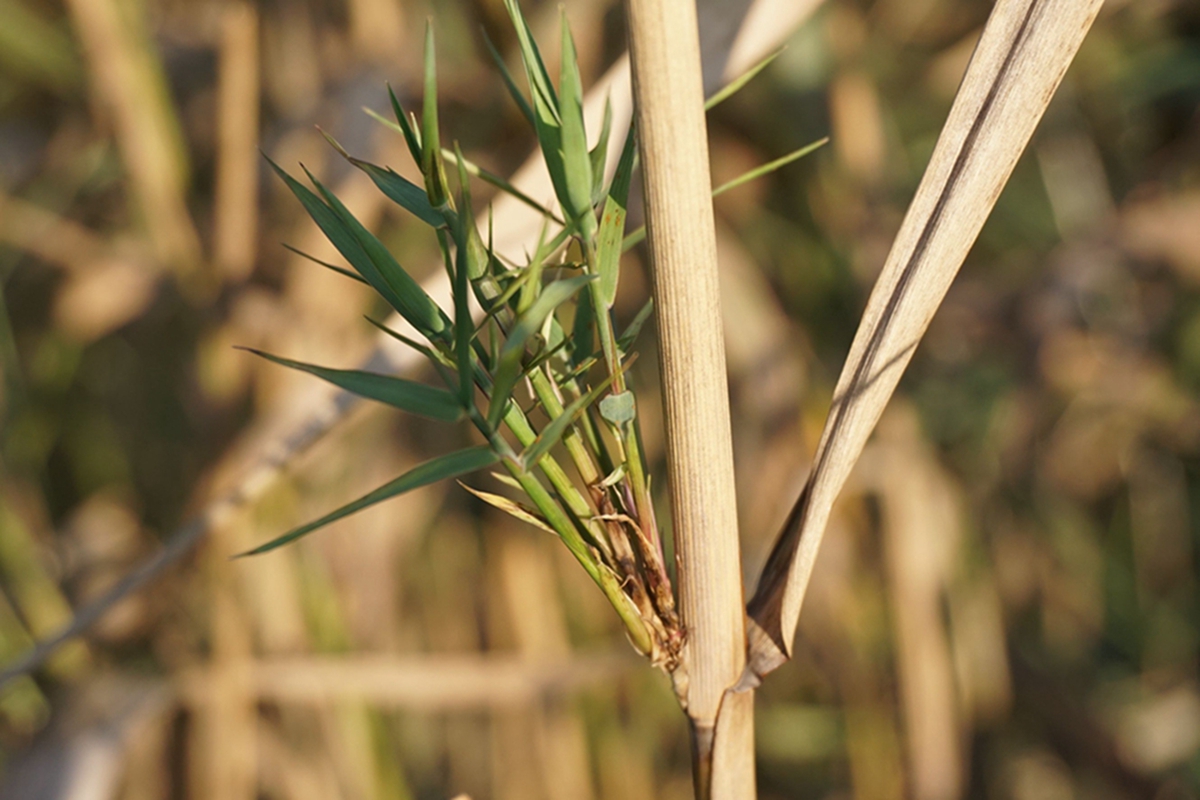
<point x="132" y="90"/>
<point x="669" y="97"/>
<point x="1020" y="60"/>
<point x="236" y="206"/>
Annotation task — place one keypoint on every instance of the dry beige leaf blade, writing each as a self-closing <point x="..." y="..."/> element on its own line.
<point x="1021" y="57"/>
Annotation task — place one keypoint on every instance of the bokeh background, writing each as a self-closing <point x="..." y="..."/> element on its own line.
<point x="1007" y="605"/>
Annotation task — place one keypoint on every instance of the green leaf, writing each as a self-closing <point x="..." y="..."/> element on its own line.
<point x="758" y="172"/>
<point x="431" y="149"/>
<point x="410" y="396"/>
<point x="522" y="103"/>
<point x="553" y="432"/>
<point x="599" y="153"/>
<point x="618" y="408"/>
<point x="612" y="224"/>
<point x="508" y="371"/>
<point x="447" y="466"/>
<point x="410" y="135"/>
<point x="402" y="292"/>
<point x="577" y="162"/>
<point x="464" y="326"/>
<point x="583" y="330"/>
<point x="535" y="68"/>
<point x="326" y="264"/>
<point x="403" y="192"/>
<point x="733" y="87"/>
<point x="368" y="256"/>
<point x="626" y="340"/>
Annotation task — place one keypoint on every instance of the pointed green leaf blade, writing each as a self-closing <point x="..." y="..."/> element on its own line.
<point x="609" y="242"/>
<point x="431" y="148"/>
<point x="577" y="162"/>
<point x="402" y="292"/>
<point x="599" y="153"/>
<point x="448" y="466"/>
<point x="769" y="167"/>
<point x="522" y="103"/>
<point x="410" y="136"/>
<point x="332" y="225"/>
<point x="735" y="86"/>
<point x="403" y="192"/>
<point x="339" y="270"/>
<point x="406" y="395"/>
<point x="626" y="340"/>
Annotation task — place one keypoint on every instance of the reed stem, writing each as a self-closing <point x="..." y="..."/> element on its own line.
<point x="669" y="100"/>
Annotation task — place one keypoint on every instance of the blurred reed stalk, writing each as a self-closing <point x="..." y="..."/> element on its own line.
<point x="669" y="102"/>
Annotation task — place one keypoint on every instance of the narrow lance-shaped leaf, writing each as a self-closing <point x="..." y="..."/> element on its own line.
<point x="599" y="153"/>
<point x="539" y="78"/>
<point x="519" y="98"/>
<point x="411" y="138"/>
<point x="769" y="167"/>
<point x="406" y="395"/>
<point x="1021" y="57"/>
<point x="403" y="192"/>
<point x="609" y="242"/>
<point x="577" y="162"/>
<point x="400" y="190"/>
<point x="734" y="86"/>
<point x="464" y="326"/>
<point x="362" y="249"/>
<point x="405" y="294"/>
<point x="339" y="270"/>
<point x="508" y="370"/>
<point x="629" y="336"/>
<point x="431" y="148"/>
<point x="448" y="466"/>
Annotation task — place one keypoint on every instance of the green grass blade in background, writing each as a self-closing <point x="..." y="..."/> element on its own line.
<point x="406" y="395"/>
<point x="769" y="167"/>
<point x="730" y="89"/>
<point x="452" y="465"/>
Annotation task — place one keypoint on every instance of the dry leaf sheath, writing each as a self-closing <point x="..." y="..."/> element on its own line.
<point x="1019" y="61"/>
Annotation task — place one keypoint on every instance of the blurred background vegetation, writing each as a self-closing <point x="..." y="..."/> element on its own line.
<point x="1007" y="606"/>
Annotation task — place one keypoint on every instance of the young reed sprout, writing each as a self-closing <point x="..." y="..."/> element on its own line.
<point x="547" y="325"/>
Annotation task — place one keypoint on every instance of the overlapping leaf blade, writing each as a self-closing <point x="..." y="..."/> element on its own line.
<point x="508" y="371"/>
<point x="612" y="224"/>
<point x="404" y="293"/>
<point x="368" y="256"/>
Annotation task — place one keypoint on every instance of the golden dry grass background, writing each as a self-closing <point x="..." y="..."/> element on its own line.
<point x="1006" y="605"/>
